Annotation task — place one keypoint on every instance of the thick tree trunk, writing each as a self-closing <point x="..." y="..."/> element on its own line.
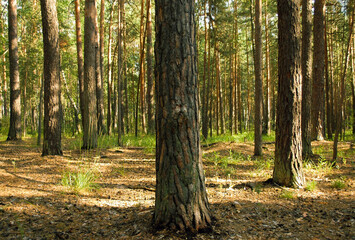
<point x="327" y="88"/>
<point x="318" y="104"/>
<point x="52" y="87"/>
<point x="258" y="82"/>
<point x="181" y="200"/>
<point x="288" y="150"/>
<point x="90" y="113"/>
<point x="306" y="77"/>
<point x="15" y="92"/>
<point x="79" y="51"/>
<point x="150" y="81"/>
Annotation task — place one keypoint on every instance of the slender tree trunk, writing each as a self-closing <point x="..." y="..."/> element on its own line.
<point x="24" y="101"/>
<point x="258" y="82"/>
<point x="318" y="104"/>
<point x="99" y="82"/>
<point x="288" y="149"/>
<point x="119" y="74"/>
<point x="79" y="51"/>
<point x="219" y="106"/>
<point x="90" y="113"/>
<point x="150" y="82"/>
<point x="342" y="89"/>
<point x="4" y="80"/>
<point x="204" y="87"/>
<point x="268" y="75"/>
<point x="15" y="92"/>
<point x="102" y="39"/>
<point x="52" y="87"/>
<point x="353" y="81"/>
<point x="72" y="102"/>
<point x="181" y="199"/>
<point x="40" y="113"/>
<point x="109" y="72"/>
<point x="209" y="85"/>
<point x="231" y="92"/>
<point x="306" y="77"/>
<point x="327" y="88"/>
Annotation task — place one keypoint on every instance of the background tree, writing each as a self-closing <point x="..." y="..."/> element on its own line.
<point x="288" y="155"/>
<point x="306" y="77"/>
<point x="90" y="103"/>
<point x="180" y="180"/>
<point x="318" y="104"/>
<point x="15" y="92"/>
<point x="52" y="103"/>
<point x="258" y="81"/>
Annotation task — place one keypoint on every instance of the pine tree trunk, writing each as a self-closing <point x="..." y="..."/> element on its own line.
<point x="205" y="72"/>
<point x="102" y="39"/>
<point x="327" y="88"/>
<point x="181" y="200"/>
<point x="258" y="82"/>
<point x="288" y="148"/>
<point x="4" y="80"/>
<point x="99" y="82"/>
<point x="40" y="113"/>
<point x="79" y="51"/>
<point x="109" y="72"/>
<point x="15" y="92"/>
<point x="52" y="86"/>
<point x="90" y="113"/>
<point x="268" y="75"/>
<point x="306" y="77"/>
<point x="318" y="104"/>
<point x="119" y="74"/>
<point x="342" y="89"/>
<point x="150" y="82"/>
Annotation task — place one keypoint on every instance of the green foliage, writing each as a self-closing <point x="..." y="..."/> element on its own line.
<point x="322" y="165"/>
<point x="339" y="184"/>
<point x="4" y="126"/>
<point x="285" y="194"/>
<point x="311" y="186"/>
<point x="264" y="164"/>
<point x="81" y="180"/>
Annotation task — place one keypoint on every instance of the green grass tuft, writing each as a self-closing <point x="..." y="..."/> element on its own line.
<point x="82" y="180"/>
<point x="311" y="186"/>
<point x="285" y="194"/>
<point x="339" y="184"/>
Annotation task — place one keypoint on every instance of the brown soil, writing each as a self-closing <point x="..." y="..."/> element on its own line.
<point x="34" y="204"/>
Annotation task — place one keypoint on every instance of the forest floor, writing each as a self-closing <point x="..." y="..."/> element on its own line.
<point x="34" y="204"/>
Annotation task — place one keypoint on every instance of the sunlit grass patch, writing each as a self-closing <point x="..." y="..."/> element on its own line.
<point x="286" y="194"/>
<point x="311" y="186"/>
<point x="80" y="180"/>
<point x="339" y="184"/>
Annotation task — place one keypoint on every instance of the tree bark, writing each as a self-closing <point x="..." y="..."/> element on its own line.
<point x="15" y="92"/>
<point x="102" y="38"/>
<point x="288" y="148"/>
<point x="267" y="111"/>
<point x="3" y="76"/>
<point x="205" y="76"/>
<point x="150" y="81"/>
<point x="99" y="82"/>
<point x="181" y="199"/>
<point x="318" y="104"/>
<point x="109" y="72"/>
<point x="79" y="51"/>
<point x="90" y="113"/>
<point x="258" y="82"/>
<point x="306" y="77"/>
<point x="40" y="113"/>
<point x="52" y="87"/>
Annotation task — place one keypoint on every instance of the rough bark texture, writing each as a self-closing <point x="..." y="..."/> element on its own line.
<point x="90" y="112"/>
<point x="288" y="149"/>
<point x="15" y="92"/>
<point x="258" y="82"/>
<point x="306" y="77"/>
<point x="205" y="75"/>
<point x="52" y="87"/>
<point x="109" y="72"/>
<point x="79" y="52"/>
<point x="150" y="81"/>
<point x="99" y="82"/>
<point x="318" y="104"/>
<point x="181" y="199"/>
